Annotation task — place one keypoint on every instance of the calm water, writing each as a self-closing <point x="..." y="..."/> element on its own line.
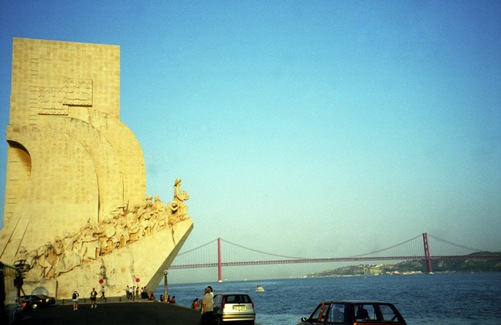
<point x="422" y="299"/>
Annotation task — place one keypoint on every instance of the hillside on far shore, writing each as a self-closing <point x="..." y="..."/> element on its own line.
<point x="468" y="263"/>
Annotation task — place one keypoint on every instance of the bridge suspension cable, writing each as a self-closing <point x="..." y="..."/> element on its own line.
<point x="454" y="244"/>
<point x="194" y="249"/>
<point x="388" y="248"/>
<point x="262" y="252"/>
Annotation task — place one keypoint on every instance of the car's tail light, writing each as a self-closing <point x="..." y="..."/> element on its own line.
<point x="24" y="304"/>
<point x="223" y="302"/>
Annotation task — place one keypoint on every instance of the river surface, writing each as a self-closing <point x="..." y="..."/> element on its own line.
<point x="452" y="298"/>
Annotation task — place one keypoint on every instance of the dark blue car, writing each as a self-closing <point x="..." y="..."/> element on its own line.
<point x="36" y="301"/>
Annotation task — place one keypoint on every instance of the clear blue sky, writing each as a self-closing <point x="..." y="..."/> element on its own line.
<point x="305" y="128"/>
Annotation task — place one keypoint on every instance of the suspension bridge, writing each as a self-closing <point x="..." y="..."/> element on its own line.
<point x="416" y="248"/>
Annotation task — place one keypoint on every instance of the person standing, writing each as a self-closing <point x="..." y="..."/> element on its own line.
<point x="93" y="297"/>
<point x="74" y="297"/>
<point x="207" y="308"/>
<point x="131" y="292"/>
<point x="102" y="293"/>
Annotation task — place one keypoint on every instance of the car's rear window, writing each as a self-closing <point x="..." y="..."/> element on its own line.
<point x="238" y="299"/>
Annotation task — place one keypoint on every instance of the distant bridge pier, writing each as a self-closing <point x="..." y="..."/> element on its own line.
<point x="427" y="253"/>
<point x="219" y="266"/>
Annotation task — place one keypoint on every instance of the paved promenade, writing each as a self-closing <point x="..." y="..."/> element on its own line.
<point x="120" y="313"/>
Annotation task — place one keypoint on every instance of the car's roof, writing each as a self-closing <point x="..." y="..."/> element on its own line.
<point x="355" y="302"/>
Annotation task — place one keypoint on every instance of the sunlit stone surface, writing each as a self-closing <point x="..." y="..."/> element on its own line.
<point x="76" y="212"/>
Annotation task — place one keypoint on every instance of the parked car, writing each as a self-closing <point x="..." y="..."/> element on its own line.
<point x="234" y="307"/>
<point x="36" y="301"/>
<point x="354" y="312"/>
<point x="48" y="300"/>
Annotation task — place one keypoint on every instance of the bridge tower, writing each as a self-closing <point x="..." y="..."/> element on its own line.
<point x="427" y="253"/>
<point x="219" y="266"/>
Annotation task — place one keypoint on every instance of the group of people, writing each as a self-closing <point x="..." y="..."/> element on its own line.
<point x="206" y="305"/>
<point x="93" y="298"/>
<point x="170" y="300"/>
<point x="132" y="293"/>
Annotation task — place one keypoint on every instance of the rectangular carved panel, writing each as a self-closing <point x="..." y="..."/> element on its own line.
<point x="78" y="92"/>
<point x="50" y="101"/>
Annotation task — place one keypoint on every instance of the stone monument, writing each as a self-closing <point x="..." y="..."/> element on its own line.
<point x="76" y="213"/>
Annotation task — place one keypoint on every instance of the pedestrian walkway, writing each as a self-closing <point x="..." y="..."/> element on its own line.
<point x="111" y="313"/>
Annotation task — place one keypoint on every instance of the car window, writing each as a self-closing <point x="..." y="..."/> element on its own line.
<point x="319" y="314"/>
<point x="365" y="313"/>
<point x="388" y="314"/>
<point x="237" y="299"/>
<point x="246" y="299"/>
<point x="336" y="314"/>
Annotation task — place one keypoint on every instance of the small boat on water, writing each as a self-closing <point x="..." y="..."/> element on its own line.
<point x="259" y="288"/>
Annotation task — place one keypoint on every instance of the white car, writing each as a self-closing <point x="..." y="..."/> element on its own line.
<point x="234" y="307"/>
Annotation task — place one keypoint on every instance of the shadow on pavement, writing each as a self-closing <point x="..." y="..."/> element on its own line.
<point x="113" y="313"/>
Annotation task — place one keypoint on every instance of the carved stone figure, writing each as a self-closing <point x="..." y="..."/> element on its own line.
<point x="108" y="238"/>
<point x="22" y="255"/>
<point x="90" y="246"/>
<point x="70" y="259"/>
<point x="133" y="228"/>
<point x="36" y="272"/>
<point x="54" y="256"/>
<point x="158" y="205"/>
<point x="121" y="235"/>
<point x="178" y="207"/>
